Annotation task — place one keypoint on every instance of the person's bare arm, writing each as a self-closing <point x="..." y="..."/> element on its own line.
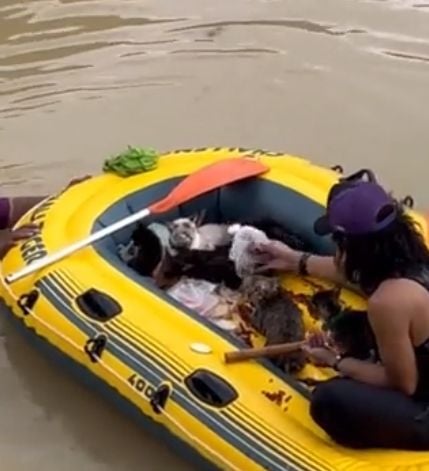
<point x="390" y="312"/>
<point x="276" y="255"/>
<point x="389" y="315"/>
<point x="321" y="266"/>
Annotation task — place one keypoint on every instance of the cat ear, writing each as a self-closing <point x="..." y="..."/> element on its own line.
<point x="203" y="214"/>
<point x="199" y="218"/>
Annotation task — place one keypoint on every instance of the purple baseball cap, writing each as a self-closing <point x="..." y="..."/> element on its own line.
<point x="356" y="208"/>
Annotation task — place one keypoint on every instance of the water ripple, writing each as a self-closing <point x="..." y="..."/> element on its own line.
<point x="66" y="48"/>
<point x="233" y="51"/>
<point x="408" y="57"/>
<point x="301" y="24"/>
<point x="87" y="49"/>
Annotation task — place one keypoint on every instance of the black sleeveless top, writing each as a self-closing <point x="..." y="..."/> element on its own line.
<point x="422" y="359"/>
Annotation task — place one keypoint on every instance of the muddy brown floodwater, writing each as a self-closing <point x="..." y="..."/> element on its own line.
<point x="338" y="81"/>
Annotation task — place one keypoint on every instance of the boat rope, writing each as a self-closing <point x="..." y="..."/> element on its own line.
<point x="108" y="368"/>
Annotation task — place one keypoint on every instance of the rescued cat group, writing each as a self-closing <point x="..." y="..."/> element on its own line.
<point x="202" y="251"/>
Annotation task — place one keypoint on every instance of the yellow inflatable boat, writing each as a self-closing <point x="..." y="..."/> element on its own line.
<point x="123" y="336"/>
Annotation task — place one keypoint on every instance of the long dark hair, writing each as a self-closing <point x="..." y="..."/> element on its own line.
<point x="392" y="252"/>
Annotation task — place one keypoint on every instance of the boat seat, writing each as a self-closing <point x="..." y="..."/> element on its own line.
<point x="254" y="199"/>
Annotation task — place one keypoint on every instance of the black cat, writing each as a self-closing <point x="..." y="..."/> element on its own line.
<point x="349" y="328"/>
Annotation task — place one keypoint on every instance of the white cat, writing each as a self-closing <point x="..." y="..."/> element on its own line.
<point x="191" y="234"/>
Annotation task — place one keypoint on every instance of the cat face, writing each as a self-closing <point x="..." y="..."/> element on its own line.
<point x="182" y="232"/>
<point x="327" y="304"/>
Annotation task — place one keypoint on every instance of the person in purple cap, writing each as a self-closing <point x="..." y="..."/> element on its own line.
<point x="382" y="404"/>
<point x="11" y="210"/>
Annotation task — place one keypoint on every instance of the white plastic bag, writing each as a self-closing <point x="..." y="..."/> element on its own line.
<point x="195" y="294"/>
<point x="243" y="236"/>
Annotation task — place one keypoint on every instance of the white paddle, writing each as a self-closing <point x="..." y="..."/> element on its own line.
<point x="202" y="181"/>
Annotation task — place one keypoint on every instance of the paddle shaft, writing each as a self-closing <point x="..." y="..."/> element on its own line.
<point x="271" y="350"/>
<point x="66" y="251"/>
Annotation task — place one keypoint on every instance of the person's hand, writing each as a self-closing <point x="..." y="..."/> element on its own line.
<point x="317" y="339"/>
<point x="319" y="349"/>
<point x="14" y="236"/>
<point x="275" y="255"/>
<point x="320" y="356"/>
<point x="76" y="180"/>
<point x="24" y="232"/>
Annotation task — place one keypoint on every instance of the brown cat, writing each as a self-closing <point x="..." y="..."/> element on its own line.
<point x="276" y="316"/>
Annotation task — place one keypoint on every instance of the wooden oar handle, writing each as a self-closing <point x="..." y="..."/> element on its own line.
<point x="272" y="350"/>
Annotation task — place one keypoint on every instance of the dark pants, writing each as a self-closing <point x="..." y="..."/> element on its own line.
<point x="359" y="415"/>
